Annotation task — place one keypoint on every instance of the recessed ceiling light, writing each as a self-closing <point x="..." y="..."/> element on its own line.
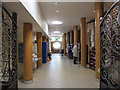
<point x="57" y="3"/>
<point x="57" y="11"/>
<point x="56" y="31"/>
<point x="57" y="22"/>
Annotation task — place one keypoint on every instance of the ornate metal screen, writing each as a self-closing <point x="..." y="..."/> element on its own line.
<point x="110" y="48"/>
<point x="8" y="50"/>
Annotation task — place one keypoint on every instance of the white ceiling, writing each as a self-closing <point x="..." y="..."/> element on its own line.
<point x="69" y="13"/>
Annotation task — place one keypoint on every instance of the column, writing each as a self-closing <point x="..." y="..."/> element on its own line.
<point x="64" y="43"/>
<point x="71" y="36"/>
<point x="75" y="34"/>
<point x="39" y="49"/>
<point x="98" y="14"/>
<point x="27" y="55"/>
<point x="83" y="41"/>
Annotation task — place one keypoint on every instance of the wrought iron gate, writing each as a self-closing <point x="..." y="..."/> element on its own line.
<point x="8" y="50"/>
<point x="110" y="48"/>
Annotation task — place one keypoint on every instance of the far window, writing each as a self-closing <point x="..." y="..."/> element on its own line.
<point x="56" y="45"/>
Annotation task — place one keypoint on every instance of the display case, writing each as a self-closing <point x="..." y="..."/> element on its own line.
<point x="92" y="62"/>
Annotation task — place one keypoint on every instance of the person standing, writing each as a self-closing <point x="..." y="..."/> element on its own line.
<point x="75" y="53"/>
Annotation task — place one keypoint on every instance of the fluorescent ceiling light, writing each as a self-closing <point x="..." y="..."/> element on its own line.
<point x="56" y="22"/>
<point x="56" y="31"/>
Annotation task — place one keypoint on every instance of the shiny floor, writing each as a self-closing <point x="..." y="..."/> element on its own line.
<point x="62" y="73"/>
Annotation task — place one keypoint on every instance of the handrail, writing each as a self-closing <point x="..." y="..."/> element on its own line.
<point x="109" y="12"/>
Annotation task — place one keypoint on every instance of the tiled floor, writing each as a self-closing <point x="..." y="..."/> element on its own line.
<point x="62" y="73"/>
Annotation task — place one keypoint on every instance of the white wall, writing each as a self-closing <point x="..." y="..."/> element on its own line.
<point x="36" y="12"/>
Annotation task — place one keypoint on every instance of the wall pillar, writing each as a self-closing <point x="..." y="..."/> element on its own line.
<point x="27" y="55"/>
<point x="64" y="43"/>
<point x="71" y="36"/>
<point x="83" y="41"/>
<point x="75" y="34"/>
<point x="98" y="14"/>
<point x="39" y="49"/>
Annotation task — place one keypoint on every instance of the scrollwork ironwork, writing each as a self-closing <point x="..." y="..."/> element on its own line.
<point x="110" y="48"/>
<point x="8" y="57"/>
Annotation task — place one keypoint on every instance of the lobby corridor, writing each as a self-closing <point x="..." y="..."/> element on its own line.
<point x="62" y="73"/>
